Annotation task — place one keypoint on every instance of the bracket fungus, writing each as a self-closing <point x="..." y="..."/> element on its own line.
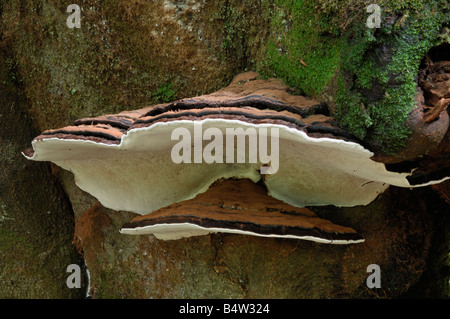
<point x="242" y="207"/>
<point x="161" y="161"/>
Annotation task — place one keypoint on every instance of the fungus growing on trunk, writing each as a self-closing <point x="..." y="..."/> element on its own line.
<point x="148" y="159"/>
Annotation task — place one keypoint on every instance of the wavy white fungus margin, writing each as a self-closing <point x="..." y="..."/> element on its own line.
<point x="138" y="174"/>
<point x="174" y="231"/>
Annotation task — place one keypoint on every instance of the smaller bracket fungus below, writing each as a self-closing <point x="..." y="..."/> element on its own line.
<point x="240" y="207"/>
<point x="126" y="161"/>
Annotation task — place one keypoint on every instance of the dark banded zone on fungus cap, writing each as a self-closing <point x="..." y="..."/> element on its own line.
<point x="239" y="207"/>
<point x="106" y="129"/>
<point x="99" y="133"/>
<point x="313" y="125"/>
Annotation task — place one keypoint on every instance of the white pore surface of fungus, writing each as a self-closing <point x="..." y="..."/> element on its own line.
<point x="139" y="175"/>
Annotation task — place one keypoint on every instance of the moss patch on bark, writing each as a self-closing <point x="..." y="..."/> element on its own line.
<point x="368" y="75"/>
<point x="36" y="222"/>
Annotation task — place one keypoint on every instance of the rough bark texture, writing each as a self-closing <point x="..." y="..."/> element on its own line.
<point x="36" y="220"/>
<point x="131" y="54"/>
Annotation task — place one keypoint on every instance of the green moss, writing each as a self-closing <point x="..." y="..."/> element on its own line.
<point x="325" y="50"/>
<point x="379" y="117"/>
<point x="302" y="51"/>
<point x="165" y="93"/>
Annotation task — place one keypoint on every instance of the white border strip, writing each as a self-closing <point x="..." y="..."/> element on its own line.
<point x="189" y="227"/>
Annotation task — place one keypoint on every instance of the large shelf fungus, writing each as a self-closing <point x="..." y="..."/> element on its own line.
<point x="146" y="160"/>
